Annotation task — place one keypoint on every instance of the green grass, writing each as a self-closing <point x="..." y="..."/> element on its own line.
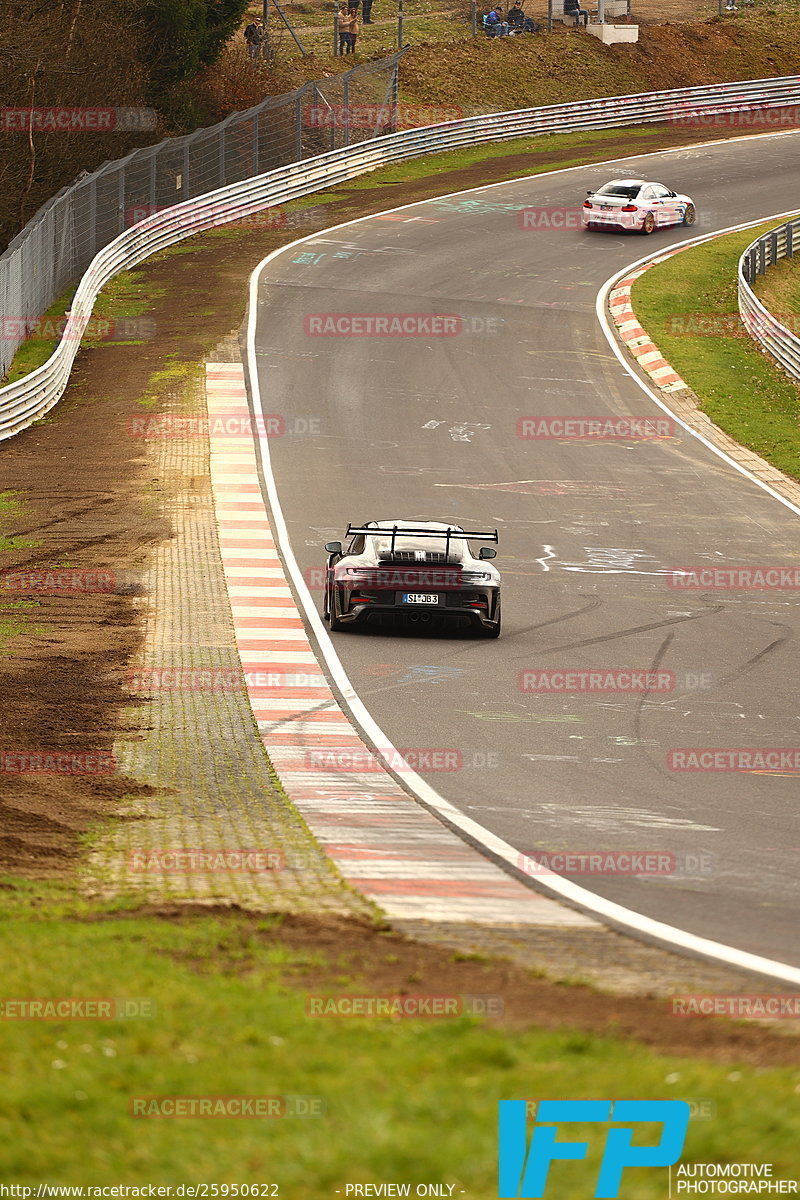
<point x="236" y="1028"/>
<point x="779" y="289"/>
<point x="737" y="386"/>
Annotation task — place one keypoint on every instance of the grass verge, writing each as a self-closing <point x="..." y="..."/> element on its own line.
<point x="688" y="306"/>
<point x="228" y="1018"/>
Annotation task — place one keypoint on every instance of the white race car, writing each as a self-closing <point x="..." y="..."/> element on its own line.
<point x="635" y="204"/>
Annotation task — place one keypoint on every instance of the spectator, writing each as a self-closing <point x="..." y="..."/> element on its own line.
<point x="353" y="14"/>
<point x="344" y="28"/>
<point x="495" y="25"/>
<point x="572" y="8"/>
<point x="254" y="36"/>
<point x="366" y="12"/>
<point x="516" y="17"/>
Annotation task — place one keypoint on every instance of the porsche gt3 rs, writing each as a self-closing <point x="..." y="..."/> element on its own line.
<point x="637" y="205"/>
<point x="422" y="572"/>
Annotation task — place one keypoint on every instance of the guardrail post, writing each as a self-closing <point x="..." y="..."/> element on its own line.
<point x="298" y="124"/>
<point x="790" y="241"/>
<point x="121" y="199"/>
<point x="773" y="247"/>
<point x="474" y="7"/>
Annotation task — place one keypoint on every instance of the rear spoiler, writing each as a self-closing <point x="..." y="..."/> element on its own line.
<point x="414" y="531"/>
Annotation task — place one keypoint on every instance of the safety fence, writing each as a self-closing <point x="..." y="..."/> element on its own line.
<point x="740" y="105"/>
<point x="766" y="329"/>
<point x="59" y="242"/>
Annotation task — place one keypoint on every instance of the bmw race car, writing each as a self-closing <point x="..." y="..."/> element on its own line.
<point x="419" y="571"/>
<point x="634" y="204"/>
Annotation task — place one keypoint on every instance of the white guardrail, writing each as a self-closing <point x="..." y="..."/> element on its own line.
<point x="766" y="329"/>
<point x="28" y="399"/>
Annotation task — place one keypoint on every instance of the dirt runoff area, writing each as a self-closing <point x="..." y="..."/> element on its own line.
<point x="80" y="516"/>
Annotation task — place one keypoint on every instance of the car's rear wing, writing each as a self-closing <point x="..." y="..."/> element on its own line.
<point x="415" y="531"/>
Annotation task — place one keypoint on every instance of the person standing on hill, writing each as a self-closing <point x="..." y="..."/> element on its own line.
<point x="343" y="25"/>
<point x="366" y="12"/>
<point x="353" y="29"/>
<point x="253" y="36"/>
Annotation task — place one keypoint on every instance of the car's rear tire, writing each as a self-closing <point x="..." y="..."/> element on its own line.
<point x="336" y="625"/>
<point x="648" y="224"/>
<point x="494" y="630"/>
<point x="689" y="216"/>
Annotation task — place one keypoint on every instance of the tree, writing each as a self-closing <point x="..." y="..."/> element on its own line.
<point x="183" y="36"/>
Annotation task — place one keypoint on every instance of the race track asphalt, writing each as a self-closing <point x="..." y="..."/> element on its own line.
<point x="427" y="428"/>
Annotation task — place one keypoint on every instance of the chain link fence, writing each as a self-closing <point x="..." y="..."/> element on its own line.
<point x="56" y="246"/>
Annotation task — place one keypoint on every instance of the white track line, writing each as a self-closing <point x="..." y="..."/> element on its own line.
<point x="565" y="889"/>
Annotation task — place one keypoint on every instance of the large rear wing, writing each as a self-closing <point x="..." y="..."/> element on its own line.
<point x="415" y="531"/>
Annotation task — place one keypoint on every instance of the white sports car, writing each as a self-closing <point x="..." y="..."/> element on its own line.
<point x="635" y="204"/>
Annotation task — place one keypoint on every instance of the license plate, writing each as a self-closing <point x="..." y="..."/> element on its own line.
<point x="420" y="598"/>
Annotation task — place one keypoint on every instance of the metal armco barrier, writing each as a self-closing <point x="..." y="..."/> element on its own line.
<point x="755" y="102"/>
<point x="776" y="339"/>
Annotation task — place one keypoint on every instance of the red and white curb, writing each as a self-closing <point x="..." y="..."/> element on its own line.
<point x="382" y="840"/>
<point x="636" y="339"/>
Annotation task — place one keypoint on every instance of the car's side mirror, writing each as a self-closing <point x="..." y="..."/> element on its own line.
<point x="333" y="547"/>
<point x="487" y="552"/>
<point x="673" y="195"/>
<point x="589" y="192"/>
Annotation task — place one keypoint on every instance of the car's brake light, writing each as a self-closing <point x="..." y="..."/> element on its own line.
<point x="629" y="208"/>
<point x="360" y="599"/>
<point x="587" y="204"/>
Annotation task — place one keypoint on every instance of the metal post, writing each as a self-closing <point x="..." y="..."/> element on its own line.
<point x="474" y="17"/>
<point x="265" y="16"/>
<point x="399" y="24"/>
<point x="601" y="12"/>
<point x="121" y="198"/>
<point x="298" y="125"/>
<point x="346" y="99"/>
<point x="628" y="14"/>
<point x="336" y="32"/>
<point x="549" y="16"/>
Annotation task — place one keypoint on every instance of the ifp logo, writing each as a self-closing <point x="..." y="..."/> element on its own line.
<point x="524" y="1171"/>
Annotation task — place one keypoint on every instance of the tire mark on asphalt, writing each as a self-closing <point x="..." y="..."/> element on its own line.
<point x="622" y="633"/>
